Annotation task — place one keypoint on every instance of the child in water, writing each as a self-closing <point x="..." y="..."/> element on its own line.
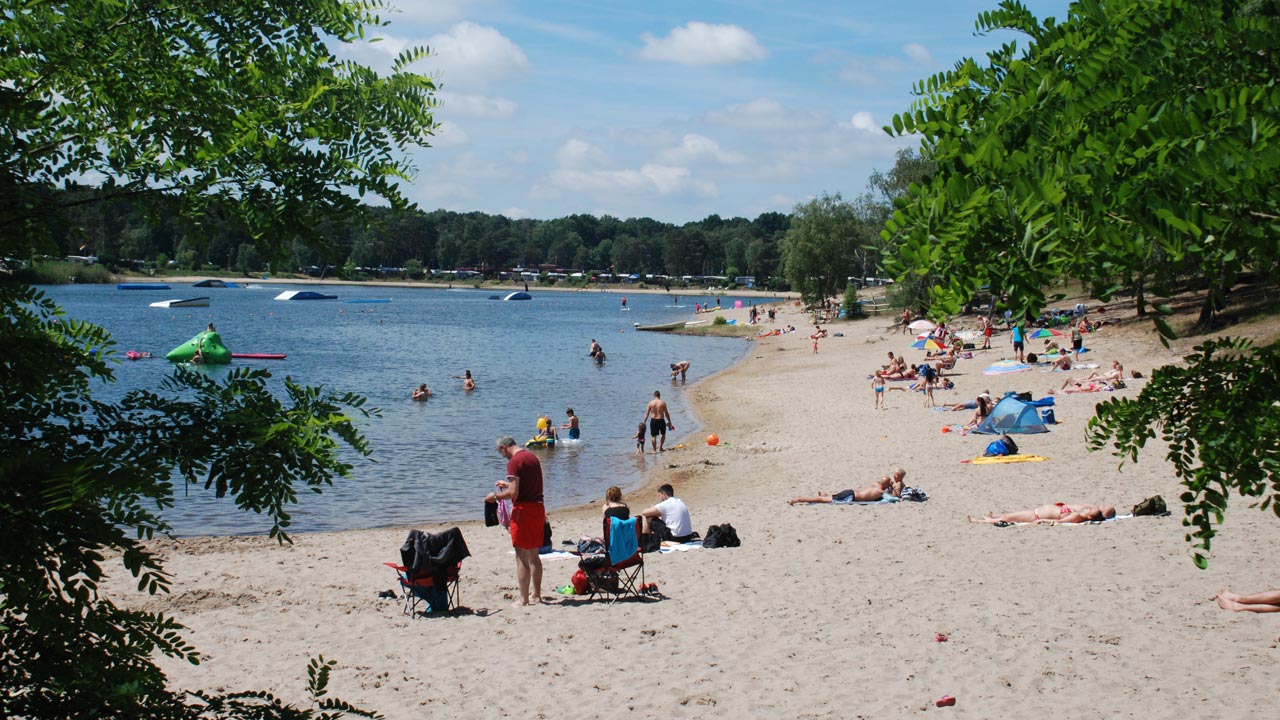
<point x="639" y="438"/>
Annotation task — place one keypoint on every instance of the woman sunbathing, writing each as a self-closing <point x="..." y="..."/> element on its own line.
<point x="1077" y="386"/>
<point x="1267" y="601"/>
<point x="1115" y="373"/>
<point x="981" y="412"/>
<point x="1052" y="515"/>
<point x="889" y="484"/>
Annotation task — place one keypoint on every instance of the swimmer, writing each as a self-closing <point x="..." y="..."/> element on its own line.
<point x="421" y="392"/>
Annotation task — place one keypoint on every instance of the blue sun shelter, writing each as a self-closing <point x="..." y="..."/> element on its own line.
<point x="1012" y="416"/>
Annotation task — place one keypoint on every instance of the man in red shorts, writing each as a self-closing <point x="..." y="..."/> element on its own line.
<point x="523" y="487"/>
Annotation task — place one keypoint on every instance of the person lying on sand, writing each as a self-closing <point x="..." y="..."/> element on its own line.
<point x="891" y="484"/>
<point x="1267" y="601"/>
<point x="1078" y="386"/>
<point x="1115" y="373"/>
<point x="1051" y="515"/>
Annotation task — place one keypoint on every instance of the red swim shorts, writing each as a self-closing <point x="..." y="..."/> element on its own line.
<point x="527" y="520"/>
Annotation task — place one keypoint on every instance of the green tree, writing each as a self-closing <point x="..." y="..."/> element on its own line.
<point x="1132" y="134"/>
<point x="238" y="114"/>
<point x="247" y="259"/>
<point x="819" y="249"/>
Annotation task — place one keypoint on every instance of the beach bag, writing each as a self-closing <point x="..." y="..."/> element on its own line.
<point x="579" y="581"/>
<point x="1153" y="505"/>
<point x="1004" y="445"/>
<point x="721" y="536"/>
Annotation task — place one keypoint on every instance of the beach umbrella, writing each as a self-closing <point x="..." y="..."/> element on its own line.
<point x="1044" y="333"/>
<point x="927" y="344"/>
<point x="1004" y="367"/>
<point x="921" y="325"/>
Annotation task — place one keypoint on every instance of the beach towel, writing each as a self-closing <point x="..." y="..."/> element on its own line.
<point x="683" y="547"/>
<point x="885" y="500"/>
<point x="623" y="542"/>
<point x="1004" y="459"/>
<point x="1094" y="522"/>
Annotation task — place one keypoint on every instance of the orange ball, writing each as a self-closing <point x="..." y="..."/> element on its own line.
<point x="713" y="439"/>
<point x="946" y="428"/>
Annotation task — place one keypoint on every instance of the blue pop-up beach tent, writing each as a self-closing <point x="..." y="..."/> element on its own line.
<point x="1012" y="416"/>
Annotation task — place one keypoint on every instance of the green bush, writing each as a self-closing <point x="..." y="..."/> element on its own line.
<point x="720" y="320"/>
<point x="852" y="305"/>
<point x="57" y="272"/>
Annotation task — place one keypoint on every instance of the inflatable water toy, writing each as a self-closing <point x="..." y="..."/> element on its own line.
<point x="193" y="302"/>
<point x="142" y="286"/>
<point x="211" y="349"/>
<point x="304" y="295"/>
<point x="518" y="296"/>
<point x="539" y="441"/>
<point x="258" y="356"/>
<point x="214" y="284"/>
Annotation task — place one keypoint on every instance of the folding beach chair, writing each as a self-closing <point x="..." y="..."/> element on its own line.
<point x="614" y="573"/>
<point x="431" y="565"/>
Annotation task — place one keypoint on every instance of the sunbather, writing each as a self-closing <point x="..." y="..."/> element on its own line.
<point x="1052" y="515"/>
<point x="1115" y="373"/>
<point x="1078" y="386"/>
<point x="1267" y="601"/>
<point x="890" y="484"/>
<point x="981" y="412"/>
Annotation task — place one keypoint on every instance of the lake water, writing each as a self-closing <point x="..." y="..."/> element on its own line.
<point x="434" y="460"/>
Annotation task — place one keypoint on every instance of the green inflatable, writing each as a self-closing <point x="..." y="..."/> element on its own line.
<point x="210" y="345"/>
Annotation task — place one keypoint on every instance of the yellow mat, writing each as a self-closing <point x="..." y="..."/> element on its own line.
<point x="1005" y="459"/>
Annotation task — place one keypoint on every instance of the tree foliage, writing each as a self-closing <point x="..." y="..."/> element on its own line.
<point x="1219" y="418"/>
<point x="828" y="242"/>
<point x="1132" y="146"/>
<point x="228" y="123"/>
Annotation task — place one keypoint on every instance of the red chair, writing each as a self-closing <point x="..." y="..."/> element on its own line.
<point x="419" y="590"/>
<point x="615" y="580"/>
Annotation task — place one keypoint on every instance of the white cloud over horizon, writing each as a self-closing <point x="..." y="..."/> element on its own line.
<point x="698" y="43"/>
<point x="475" y="56"/>
<point x="478" y="106"/>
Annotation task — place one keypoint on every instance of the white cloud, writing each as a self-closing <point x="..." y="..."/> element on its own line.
<point x="461" y="105"/>
<point x="575" y="153"/>
<point x="864" y="121"/>
<point x="449" y="135"/>
<point x="699" y="43"/>
<point x="474" y="55"/>
<point x="694" y="148"/>
<point x="651" y="179"/>
<point x="766" y="114"/>
<point x="918" y="53"/>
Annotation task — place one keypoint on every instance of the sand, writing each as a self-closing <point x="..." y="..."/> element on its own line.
<point x="824" y="612"/>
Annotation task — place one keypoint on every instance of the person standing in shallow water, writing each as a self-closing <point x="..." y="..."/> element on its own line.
<point x="659" y="417"/>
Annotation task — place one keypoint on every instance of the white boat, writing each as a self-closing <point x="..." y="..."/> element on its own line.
<point x="193" y="302"/>
<point x="665" y="326"/>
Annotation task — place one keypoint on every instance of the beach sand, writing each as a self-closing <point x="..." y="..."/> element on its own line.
<point x="824" y="612"/>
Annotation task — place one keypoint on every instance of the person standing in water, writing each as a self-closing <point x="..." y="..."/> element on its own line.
<point x="659" y="417"/>
<point x="571" y="425"/>
<point x="468" y="382"/>
<point x="624" y="303"/>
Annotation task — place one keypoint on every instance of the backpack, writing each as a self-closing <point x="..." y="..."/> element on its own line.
<point x="1153" y="505"/>
<point x="1002" y="446"/>
<point x="721" y="536"/>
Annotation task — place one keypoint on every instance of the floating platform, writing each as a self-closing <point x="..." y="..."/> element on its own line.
<point x="518" y="296"/>
<point x="193" y="302"/>
<point x="304" y="295"/>
<point x="214" y="283"/>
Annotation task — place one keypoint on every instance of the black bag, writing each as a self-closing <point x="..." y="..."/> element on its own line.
<point x="721" y="536"/>
<point x="1024" y="396"/>
<point x="1153" y="505"/>
<point x="490" y="514"/>
<point x="1009" y="443"/>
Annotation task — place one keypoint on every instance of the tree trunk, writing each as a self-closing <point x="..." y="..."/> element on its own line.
<point x="1140" y="295"/>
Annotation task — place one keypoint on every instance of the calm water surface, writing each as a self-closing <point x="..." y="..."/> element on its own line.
<point x="433" y="460"/>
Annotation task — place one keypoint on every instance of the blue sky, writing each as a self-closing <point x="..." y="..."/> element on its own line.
<point x="670" y="110"/>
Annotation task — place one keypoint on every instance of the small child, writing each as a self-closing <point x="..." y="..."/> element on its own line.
<point x="877" y="386"/>
<point x="639" y="438"/>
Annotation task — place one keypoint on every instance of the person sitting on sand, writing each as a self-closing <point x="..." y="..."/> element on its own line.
<point x="1267" y="601"/>
<point x="1062" y="363"/>
<point x="1115" y="373"/>
<point x="1052" y="515"/>
<point x="421" y="392"/>
<point x="981" y="412"/>
<point x="669" y="519"/>
<point x="891" y="484"/>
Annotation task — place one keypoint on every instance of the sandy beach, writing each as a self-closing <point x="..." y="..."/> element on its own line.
<point x="824" y="612"/>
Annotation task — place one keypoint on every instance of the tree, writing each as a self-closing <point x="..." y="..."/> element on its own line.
<point x="818" y="250"/>
<point x="236" y="114"/>
<point x="1133" y="131"/>
<point x="247" y="260"/>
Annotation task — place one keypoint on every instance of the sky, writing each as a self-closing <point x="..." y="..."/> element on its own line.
<point x="669" y="110"/>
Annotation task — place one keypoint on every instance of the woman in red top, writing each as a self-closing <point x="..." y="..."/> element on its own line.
<point x="523" y="487"/>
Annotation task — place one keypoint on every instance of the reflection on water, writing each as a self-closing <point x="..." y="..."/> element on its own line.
<point x="433" y="460"/>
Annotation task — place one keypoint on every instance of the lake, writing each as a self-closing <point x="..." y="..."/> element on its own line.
<point x="434" y="460"/>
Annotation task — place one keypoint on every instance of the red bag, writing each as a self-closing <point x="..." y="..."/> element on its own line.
<point x="580" y="582"/>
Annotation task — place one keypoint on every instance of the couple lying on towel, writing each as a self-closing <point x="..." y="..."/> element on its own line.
<point x="887" y="485"/>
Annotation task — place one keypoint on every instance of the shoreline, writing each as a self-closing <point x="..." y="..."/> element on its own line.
<point x="1036" y="617"/>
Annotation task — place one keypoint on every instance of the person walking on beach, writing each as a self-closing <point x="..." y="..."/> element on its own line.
<point x="906" y="320"/>
<point x="523" y="487"/>
<point x="659" y="417"/>
<point x="1018" y="340"/>
<point x="877" y="388"/>
<point x="986" y="333"/>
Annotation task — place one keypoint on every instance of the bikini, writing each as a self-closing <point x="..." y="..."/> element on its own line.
<point x="1063" y="511"/>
